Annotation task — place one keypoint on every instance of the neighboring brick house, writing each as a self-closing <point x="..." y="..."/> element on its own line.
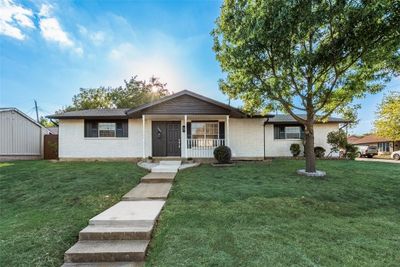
<point x="385" y="146"/>
<point x="183" y="125"/>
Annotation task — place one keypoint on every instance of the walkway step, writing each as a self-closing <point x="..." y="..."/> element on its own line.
<point x="165" y="168"/>
<point x="94" y="232"/>
<point x="170" y="162"/>
<point x="107" y="251"/>
<point x="104" y="264"/>
<point x="156" y="177"/>
<point x="130" y="213"/>
<point x="145" y="191"/>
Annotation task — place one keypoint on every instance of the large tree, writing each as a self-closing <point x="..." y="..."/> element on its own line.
<point x="133" y="93"/>
<point x="387" y="123"/>
<point x="307" y="56"/>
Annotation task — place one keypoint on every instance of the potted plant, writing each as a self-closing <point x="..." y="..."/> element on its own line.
<point x="149" y="159"/>
<point x="190" y="160"/>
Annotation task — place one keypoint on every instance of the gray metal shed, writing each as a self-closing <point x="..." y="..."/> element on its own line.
<point x="20" y="136"/>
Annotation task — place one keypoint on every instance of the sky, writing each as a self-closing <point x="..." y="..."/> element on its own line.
<point x="50" y="49"/>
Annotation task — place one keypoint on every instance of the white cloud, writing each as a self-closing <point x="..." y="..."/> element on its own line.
<point x="52" y="31"/>
<point x="96" y="37"/>
<point x="14" y="17"/>
<point x="45" y="10"/>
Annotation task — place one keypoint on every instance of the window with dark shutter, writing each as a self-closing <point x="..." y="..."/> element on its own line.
<point x="288" y="132"/>
<point x="107" y="128"/>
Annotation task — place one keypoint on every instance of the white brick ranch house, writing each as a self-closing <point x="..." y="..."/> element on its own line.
<point x="183" y="125"/>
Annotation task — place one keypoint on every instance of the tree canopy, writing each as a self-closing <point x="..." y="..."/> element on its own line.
<point x="310" y="56"/>
<point x="387" y="123"/>
<point x="133" y="93"/>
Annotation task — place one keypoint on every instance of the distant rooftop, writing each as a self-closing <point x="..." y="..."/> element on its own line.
<point x="367" y="139"/>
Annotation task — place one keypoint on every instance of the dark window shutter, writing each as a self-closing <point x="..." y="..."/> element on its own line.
<point x="189" y="133"/>
<point x="189" y="130"/>
<point x="119" y="130"/>
<point x="122" y="129"/>
<point x="125" y="129"/>
<point x="276" y="132"/>
<point x="91" y="129"/>
<point x="221" y="127"/>
<point x="302" y="132"/>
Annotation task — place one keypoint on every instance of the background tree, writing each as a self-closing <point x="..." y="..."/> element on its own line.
<point x="388" y="122"/>
<point x="134" y="93"/>
<point x="46" y="122"/>
<point x="309" y="56"/>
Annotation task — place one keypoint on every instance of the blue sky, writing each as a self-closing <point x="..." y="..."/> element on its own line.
<point x="49" y="50"/>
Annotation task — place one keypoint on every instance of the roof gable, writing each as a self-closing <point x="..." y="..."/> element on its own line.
<point x="186" y="102"/>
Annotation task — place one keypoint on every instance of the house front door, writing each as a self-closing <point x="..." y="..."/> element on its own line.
<point x="166" y="138"/>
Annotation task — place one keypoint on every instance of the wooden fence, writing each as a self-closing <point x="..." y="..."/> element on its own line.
<point x="50" y="146"/>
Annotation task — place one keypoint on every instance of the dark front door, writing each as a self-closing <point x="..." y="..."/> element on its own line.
<point x="166" y="138"/>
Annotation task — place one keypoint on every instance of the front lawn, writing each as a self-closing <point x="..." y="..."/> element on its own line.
<point x="44" y="205"/>
<point x="260" y="214"/>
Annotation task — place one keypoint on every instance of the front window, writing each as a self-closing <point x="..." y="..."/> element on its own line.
<point x="384" y="147"/>
<point x="292" y="132"/>
<point x="204" y="130"/>
<point x="107" y="129"/>
<point x="205" y="134"/>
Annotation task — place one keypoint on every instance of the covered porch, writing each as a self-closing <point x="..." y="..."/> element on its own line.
<point x="185" y="136"/>
<point x="185" y="124"/>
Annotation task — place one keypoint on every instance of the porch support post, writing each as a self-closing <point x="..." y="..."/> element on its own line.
<point x="144" y="131"/>
<point x="185" y="137"/>
<point x="227" y="130"/>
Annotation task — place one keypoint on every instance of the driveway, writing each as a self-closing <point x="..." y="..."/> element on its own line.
<point x="379" y="160"/>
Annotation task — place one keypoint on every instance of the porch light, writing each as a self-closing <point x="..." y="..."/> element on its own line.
<point x="183" y="128"/>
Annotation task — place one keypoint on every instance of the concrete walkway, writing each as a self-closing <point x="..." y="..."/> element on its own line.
<point x="119" y="236"/>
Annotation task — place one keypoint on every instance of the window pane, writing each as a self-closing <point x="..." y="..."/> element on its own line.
<point x="204" y="130"/>
<point x="292" y="132"/>
<point x="107" y="129"/>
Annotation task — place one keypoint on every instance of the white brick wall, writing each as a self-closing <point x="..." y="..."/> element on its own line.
<point x="246" y="140"/>
<point x="73" y="144"/>
<point x="281" y="147"/>
<point x="246" y="137"/>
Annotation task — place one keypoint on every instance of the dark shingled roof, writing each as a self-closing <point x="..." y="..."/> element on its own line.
<point x="115" y="113"/>
<point x="286" y="118"/>
<point x="124" y="113"/>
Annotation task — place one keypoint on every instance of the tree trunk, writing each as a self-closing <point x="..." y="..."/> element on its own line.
<point x="309" y="148"/>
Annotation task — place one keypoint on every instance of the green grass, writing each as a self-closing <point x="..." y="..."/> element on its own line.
<point x="44" y="205"/>
<point x="260" y="214"/>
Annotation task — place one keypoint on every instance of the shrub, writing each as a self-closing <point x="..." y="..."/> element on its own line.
<point x="295" y="149"/>
<point x="351" y="151"/>
<point x="319" y="152"/>
<point x="222" y="154"/>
